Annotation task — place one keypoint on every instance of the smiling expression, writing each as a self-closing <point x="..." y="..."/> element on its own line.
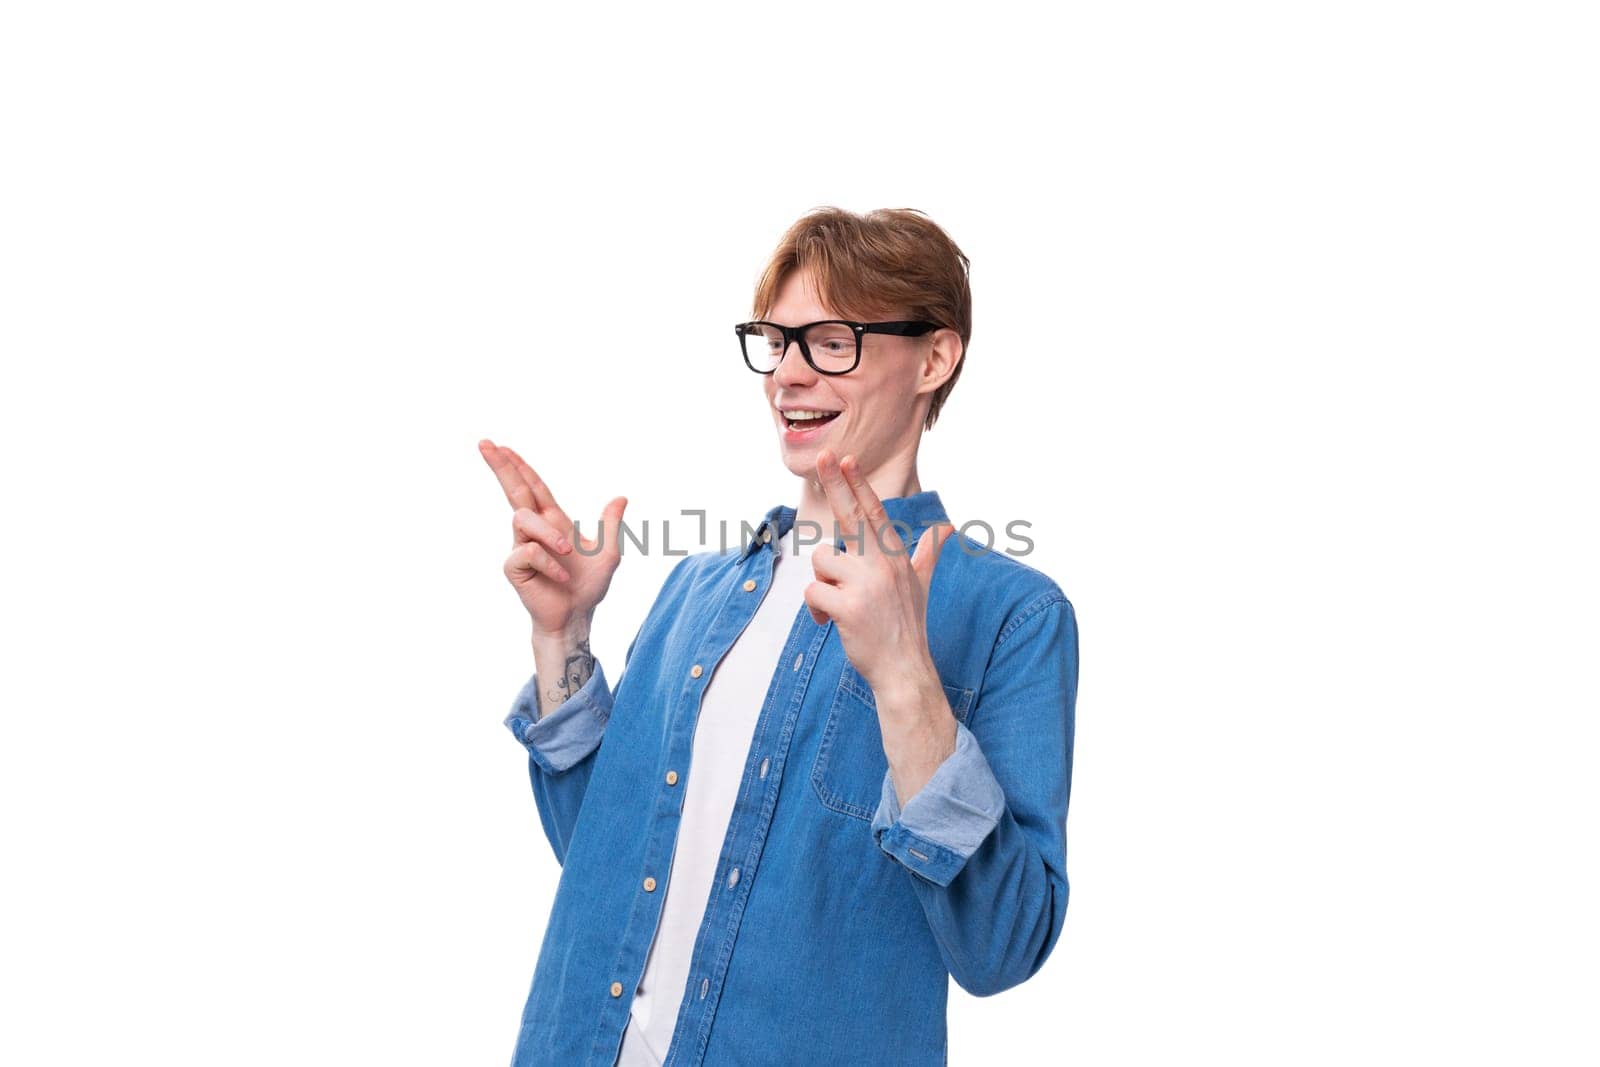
<point x="871" y="412"/>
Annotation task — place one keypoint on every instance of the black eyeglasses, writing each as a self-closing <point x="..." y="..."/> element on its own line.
<point x="832" y="346"/>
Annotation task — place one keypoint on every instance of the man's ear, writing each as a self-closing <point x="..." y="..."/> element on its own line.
<point x="944" y="355"/>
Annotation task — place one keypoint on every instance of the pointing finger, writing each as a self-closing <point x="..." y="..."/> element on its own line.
<point x="543" y="497"/>
<point x="885" y="536"/>
<point x="846" y="510"/>
<point x="505" y="471"/>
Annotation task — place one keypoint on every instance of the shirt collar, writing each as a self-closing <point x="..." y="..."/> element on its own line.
<point x="917" y="511"/>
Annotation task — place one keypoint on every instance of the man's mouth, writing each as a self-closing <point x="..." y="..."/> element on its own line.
<point x="807" y="418"/>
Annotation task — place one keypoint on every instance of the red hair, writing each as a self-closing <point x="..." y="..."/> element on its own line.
<point x="889" y="262"/>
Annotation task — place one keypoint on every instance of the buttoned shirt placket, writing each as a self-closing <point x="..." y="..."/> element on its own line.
<point x="752" y="812"/>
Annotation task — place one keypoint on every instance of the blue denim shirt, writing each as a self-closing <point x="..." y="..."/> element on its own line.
<point x="837" y="916"/>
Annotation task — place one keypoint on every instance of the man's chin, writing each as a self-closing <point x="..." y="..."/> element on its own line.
<point x="801" y="461"/>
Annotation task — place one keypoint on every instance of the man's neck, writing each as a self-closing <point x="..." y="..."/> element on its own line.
<point x="895" y="478"/>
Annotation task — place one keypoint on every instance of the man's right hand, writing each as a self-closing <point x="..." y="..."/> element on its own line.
<point x="560" y="587"/>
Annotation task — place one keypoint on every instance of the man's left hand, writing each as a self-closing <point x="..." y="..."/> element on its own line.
<point x="875" y="592"/>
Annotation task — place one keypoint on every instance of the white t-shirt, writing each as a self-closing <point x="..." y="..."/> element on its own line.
<point x="722" y="735"/>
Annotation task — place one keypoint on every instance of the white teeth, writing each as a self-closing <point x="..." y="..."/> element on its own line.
<point x="800" y="415"/>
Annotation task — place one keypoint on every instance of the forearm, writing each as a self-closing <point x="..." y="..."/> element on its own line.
<point x="563" y="663"/>
<point x="560" y="713"/>
<point x="918" y="728"/>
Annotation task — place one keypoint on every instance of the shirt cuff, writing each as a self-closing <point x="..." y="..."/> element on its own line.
<point x="570" y="732"/>
<point x="948" y="818"/>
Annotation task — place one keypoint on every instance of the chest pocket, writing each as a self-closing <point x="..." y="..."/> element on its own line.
<point x="848" y="771"/>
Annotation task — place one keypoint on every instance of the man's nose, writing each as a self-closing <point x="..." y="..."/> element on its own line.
<point x="792" y="366"/>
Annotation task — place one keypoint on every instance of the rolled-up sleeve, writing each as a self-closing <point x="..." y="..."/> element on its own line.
<point x="560" y="740"/>
<point x="947" y="819"/>
<point x="984" y="841"/>
<point x="561" y="750"/>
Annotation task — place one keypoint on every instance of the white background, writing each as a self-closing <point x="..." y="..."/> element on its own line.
<point x="1285" y="338"/>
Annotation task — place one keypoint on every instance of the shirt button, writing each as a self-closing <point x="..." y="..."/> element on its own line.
<point x="672" y="777"/>
<point x="763" y="767"/>
<point x="733" y="878"/>
<point x="696" y="671"/>
<point x="616" y="989"/>
<point x="649" y="885"/>
<point x="801" y="658"/>
<point x="749" y="584"/>
<point x="705" y="984"/>
<point x="766" y="534"/>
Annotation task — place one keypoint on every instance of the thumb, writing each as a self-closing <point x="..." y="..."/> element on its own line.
<point x="611" y="526"/>
<point x="929" y="545"/>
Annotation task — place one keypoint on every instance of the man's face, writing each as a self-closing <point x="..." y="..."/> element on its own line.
<point x="877" y="415"/>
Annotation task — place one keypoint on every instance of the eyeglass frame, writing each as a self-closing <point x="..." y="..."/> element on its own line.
<point x="795" y="335"/>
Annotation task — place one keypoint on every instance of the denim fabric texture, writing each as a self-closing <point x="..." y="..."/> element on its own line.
<point x="838" y="914"/>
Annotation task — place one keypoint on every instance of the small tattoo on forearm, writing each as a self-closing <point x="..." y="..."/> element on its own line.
<point x="579" y="669"/>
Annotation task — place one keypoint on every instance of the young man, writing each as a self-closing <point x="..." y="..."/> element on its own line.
<point x="830" y="778"/>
